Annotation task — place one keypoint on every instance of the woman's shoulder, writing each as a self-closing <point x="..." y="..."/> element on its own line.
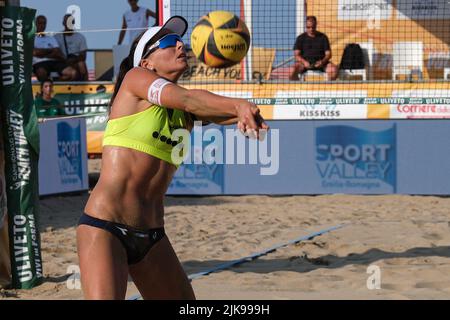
<point x="139" y="76"/>
<point x="139" y="73"/>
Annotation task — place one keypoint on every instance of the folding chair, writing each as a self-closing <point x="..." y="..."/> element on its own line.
<point x="407" y="59"/>
<point x="446" y="73"/>
<point x="308" y="73"/>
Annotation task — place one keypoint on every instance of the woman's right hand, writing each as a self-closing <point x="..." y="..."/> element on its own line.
<point x="250" y="121"/>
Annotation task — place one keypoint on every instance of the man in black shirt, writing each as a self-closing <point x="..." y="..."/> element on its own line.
<point x="312" y="51"/>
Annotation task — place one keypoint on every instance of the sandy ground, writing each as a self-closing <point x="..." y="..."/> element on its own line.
<point x="406" y="237"/>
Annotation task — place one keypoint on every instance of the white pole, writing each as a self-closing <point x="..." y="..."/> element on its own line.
<point x="248" y="69"/>
<point x="301" y="17"/>
<point x="165" y="10"/>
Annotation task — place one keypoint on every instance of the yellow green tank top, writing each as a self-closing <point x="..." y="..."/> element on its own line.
<point x="148" y="131"/>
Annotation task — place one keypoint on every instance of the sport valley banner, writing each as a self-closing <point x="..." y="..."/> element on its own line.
<point x="21" y="145"/>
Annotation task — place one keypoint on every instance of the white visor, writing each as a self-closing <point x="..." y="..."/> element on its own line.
<point x="175" y="24"/>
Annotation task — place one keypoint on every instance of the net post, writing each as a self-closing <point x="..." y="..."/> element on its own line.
<point x="246" y="16"/>
<point x="163" y="11"/>
<point x="301" y="16"/>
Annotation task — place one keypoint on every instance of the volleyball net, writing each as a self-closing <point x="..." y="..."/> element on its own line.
<point x="391" y="58"/>
<point x="384" y="53"/>
<point x="401" y="40"/>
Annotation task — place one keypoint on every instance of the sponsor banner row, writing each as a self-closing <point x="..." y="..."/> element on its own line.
<point x="87" y="104"/>
<point x="289" y="105"/>
<point x="322" y="157"/>
<point x="93" y="103"/>
<point x="347" y="101"/>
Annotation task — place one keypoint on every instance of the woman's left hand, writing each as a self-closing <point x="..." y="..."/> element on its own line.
<point x="262" y="127"/>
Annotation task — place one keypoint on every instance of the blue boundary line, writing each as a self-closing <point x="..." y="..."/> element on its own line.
<point x="227" y="265"/>
<point x="262" y="253"/>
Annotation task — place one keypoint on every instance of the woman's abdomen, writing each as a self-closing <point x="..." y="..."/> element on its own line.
<point x="131" y="188"/>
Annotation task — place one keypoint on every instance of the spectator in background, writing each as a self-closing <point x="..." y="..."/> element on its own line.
<point x="137" y="17"/>
<point x="45" y="104"/>
<point x="47" y="56"/>
<point x="73" y="46"/>
<point x="312" y="51"/>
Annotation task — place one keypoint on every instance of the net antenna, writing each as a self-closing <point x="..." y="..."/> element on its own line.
<point x="246" y="16"/>
<point x="163" y="10"/>
<point x="300" y="23"/>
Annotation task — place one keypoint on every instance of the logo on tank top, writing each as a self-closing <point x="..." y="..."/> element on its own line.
<point x="157" y="135"/>
<point x="172" y="127"/>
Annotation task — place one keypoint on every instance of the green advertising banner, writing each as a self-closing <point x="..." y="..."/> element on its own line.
<point x="21" y="143"/>
<point x="93" y="105"/>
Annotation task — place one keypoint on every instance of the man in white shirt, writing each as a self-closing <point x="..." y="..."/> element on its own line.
<point x="136" y="18"/>
<point x="47" y="56"/>
<point x="73" y="46"/>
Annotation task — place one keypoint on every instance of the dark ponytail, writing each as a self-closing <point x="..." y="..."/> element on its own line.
<point x="125" y="66"/>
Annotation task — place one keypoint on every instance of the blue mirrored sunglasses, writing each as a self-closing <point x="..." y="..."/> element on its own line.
<point x="167" y="41"/>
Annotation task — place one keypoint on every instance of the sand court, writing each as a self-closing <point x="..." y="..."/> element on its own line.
<point x="406" y="237"/>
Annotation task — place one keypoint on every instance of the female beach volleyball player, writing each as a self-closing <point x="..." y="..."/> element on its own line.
<point x="122" y="229"/>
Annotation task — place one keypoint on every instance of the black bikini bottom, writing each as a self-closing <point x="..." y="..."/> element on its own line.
<point x="137" y="243"/>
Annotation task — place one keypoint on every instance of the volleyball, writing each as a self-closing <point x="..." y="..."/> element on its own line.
<point x="220" y="39"/>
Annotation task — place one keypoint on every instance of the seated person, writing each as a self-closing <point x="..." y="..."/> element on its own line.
<point x="312" y="51"/>
<point x="73" y="46"/>
<point x="45" y="104"/>
<point x="47" y="57"/>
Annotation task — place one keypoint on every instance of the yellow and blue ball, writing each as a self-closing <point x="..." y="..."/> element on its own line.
<point x="220" y="39"/>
